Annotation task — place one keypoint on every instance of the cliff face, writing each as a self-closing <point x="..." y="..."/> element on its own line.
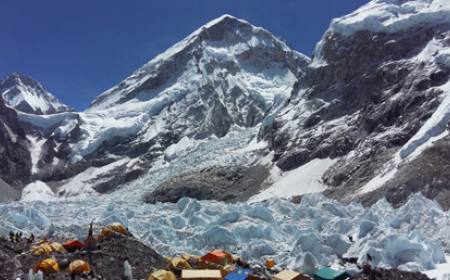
<point x="371" y="99"/>
<point x="15" y="159"/>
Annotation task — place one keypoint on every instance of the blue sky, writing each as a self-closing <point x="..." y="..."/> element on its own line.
<point x="77" y="49"/>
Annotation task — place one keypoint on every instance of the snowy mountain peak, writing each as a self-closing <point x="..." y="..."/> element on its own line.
<point x="226" y="19"/>
<point x="223" y="44"/>
<point x="387" y="17"/>
<point x="27" y="95"/>
<point x="392" y="16"/>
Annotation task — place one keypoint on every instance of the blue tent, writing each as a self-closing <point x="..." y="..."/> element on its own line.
<point x="240" y="274"/>
<point x="327" y="273"/>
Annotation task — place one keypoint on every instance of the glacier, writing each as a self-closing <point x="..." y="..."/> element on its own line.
<point x="316" y="232"/>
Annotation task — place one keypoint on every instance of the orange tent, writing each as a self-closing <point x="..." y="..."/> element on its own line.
<point x="110" y="229"/>
<point x="218" y="257"/>
<point x="79" y="266"/>
<point x="47" y="266"/>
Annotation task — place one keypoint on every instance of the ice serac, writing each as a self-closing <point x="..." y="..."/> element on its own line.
<point x="227" y="74"/>
<point x="374" y="97"/>
<point x="27" y="95"/>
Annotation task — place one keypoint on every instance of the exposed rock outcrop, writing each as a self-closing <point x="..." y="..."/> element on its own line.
<point x="15" y="159"/>
<point x="222" y="183"/>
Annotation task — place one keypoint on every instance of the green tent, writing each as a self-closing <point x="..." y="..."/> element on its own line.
<point x="327" y="273"/>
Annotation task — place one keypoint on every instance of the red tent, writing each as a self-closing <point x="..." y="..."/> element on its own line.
<point x="73" y="245"/>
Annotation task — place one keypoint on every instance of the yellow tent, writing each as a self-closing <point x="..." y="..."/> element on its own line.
<point x="79" y="266"/>
<point x="162" y="275"/>
<point x="58" y="247"/>
<point x="179" y="262"/>
<point x="47" y="266"/>
<point x="42" y="249"/>
<point x="117" y="227"/>
<point x="46" y="248"/>
<point x="114" y="227"/>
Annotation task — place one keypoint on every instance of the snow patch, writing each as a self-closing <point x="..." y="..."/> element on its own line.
<point x="303" y="180"/>
<point x="433" y="129"/>
<point x="80" y="185"/>
<point x="441" y="272"/>
<point x="35" y="151"/>
<point x="37" y="190"/>
<point x="378" y="181"/>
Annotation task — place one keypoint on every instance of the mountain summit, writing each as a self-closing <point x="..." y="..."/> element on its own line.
<point x="27" y="95"/>
<point x="225" y="51"/>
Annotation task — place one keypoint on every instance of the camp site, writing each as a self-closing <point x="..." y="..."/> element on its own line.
<point x="113" y="253"/>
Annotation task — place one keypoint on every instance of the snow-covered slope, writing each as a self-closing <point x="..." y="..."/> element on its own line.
<point x="37" y="191"/>
<point x="27" y="95"/>
<point x="393" y="16"/>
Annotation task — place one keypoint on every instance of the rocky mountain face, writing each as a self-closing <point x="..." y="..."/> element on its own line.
<point x="26" y="95"/>
<point x="374" y="99"/>
<point x="15" y="160"/>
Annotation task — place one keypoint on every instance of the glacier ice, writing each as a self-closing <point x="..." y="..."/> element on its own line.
<point x="311" y="234"/>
